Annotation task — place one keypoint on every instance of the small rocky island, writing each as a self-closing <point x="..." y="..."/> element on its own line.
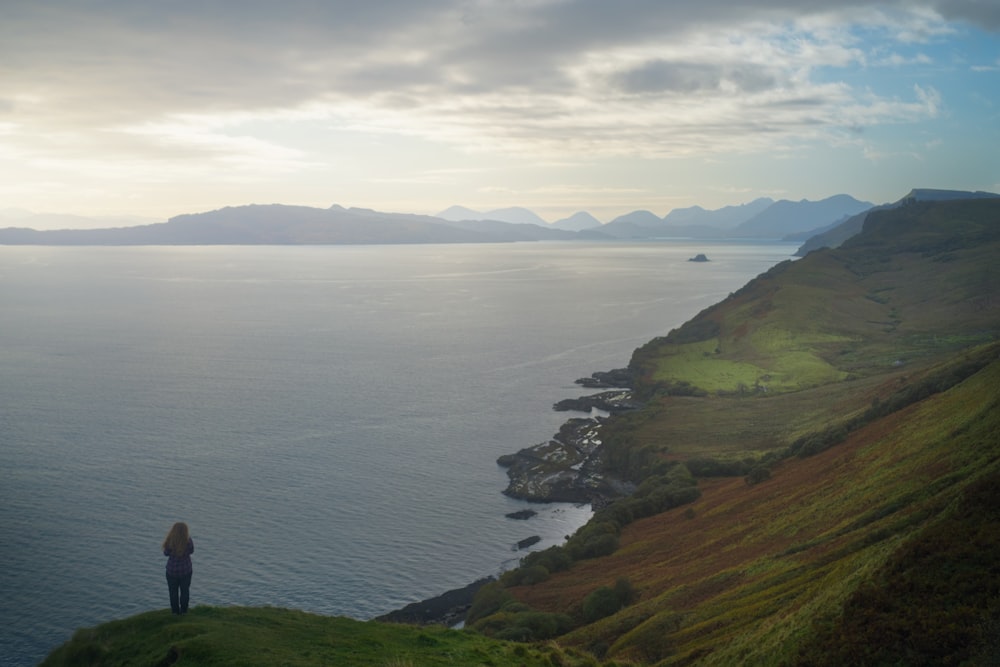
<point x="700" y="257"/>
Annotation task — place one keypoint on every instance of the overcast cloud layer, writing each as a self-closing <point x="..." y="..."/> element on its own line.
<point x="412" y="104"/>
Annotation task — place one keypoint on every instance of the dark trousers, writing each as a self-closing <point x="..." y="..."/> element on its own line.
<point x="180" y="592"/>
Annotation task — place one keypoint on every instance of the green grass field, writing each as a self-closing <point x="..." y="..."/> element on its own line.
<point x="248" y="637"/>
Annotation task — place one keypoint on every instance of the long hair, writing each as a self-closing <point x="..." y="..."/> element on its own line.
<point x="177" y="539"/>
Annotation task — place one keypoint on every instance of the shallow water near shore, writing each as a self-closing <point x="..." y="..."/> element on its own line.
<point x="326" y="419"/>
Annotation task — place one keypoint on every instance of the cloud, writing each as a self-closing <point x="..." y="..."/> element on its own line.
<point x="539" y="77"/>
<point x="663" y="76"/>
<point x="200" y="138"/>
<point x="995" y="67"/>
<point x="984" y="14"/>
<point x="899" y="60"/>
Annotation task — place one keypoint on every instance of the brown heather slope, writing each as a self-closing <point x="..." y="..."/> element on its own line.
<point x="867" y="380"/>
<point x="742" y="575"/>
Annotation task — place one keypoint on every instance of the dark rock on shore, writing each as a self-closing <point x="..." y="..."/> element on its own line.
<point x="618" y="378"/>
<point x="448" y="608"/>
<point x="609" y="401"/>
<point x="567" y="468"/>
<point x="528" y="541"/>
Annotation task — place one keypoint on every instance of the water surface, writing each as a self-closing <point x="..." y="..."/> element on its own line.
<point x="326" y="419"/>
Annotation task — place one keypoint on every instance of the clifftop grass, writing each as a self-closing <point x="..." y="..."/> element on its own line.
<point x="248" y="637"/>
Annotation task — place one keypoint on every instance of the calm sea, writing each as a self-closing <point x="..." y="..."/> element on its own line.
<point x="326" y="419"/>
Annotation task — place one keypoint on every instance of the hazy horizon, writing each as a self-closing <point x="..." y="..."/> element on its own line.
<point x="154" y="110"/>
<point x="48" y="220"/>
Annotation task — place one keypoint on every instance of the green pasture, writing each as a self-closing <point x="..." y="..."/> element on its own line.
<point x="266" y="636"/>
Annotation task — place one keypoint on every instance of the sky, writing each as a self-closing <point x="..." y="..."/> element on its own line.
<point x="155" y="109"/>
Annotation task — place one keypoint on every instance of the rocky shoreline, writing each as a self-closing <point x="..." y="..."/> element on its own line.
<point x="449" y="608"/>
<point x="570" y="466"/>
<point x="567" y="468"/>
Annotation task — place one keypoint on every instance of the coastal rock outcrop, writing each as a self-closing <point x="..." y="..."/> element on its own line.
<point x="618" y="378"/>
<point x="567" y="468"/>
<point x="528" y="542"/>
<point x="619" y="400"/>
<point x="448" y="608"/>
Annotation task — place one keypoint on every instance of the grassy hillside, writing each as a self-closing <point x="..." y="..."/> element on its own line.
<point x="764" y="573"/>
<point x="829" y="334"/>
<point x="842" y="416"/>
<point x="248" y="637"/>
<point x="818" y="483"/>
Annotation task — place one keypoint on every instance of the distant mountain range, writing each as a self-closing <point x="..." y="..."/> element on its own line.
<point x="762" y="218"/>
<point x="278" y="224"/>
<point x="723" y="218"/>
<point x="825" y="222"/>
<point x="577" y="222"/>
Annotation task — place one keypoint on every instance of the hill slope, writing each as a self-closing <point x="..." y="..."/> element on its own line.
<point x="834" y="237"/>
<point x="787" y="567"/>
<point x="252" y="637"/>
<point x="841" y="415"/>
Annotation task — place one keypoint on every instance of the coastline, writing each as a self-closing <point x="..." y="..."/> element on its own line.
<point x="449" y="608"/>
<point x="568" y="468"/>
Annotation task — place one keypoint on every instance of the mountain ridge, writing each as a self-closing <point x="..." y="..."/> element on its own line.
<point x="840" y="232"/>
<point x="578" y="222"/>
<point x="724" y="218"/>
<point x="296" y="224"/>
<point x="786" y="217"/>
<point x="282" y="224"/>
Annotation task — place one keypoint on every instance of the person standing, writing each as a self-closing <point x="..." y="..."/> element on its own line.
<point x="178" y="547"/>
